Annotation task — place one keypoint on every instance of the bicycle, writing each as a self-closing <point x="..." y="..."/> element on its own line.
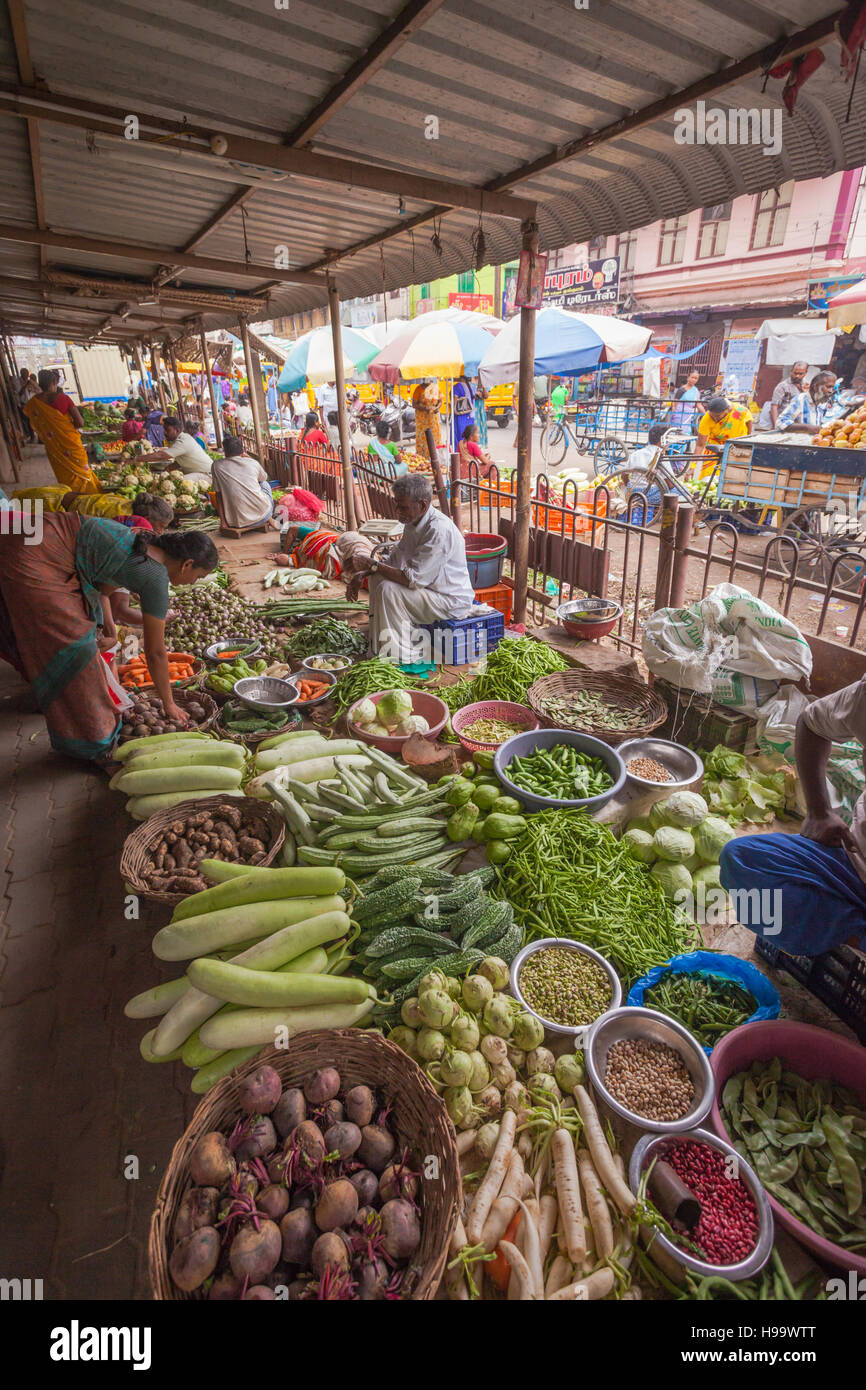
<point x="649" y="482"/>
<point x="556" y="435"/>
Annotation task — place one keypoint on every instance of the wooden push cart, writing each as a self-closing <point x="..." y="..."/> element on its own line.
<point x="818" y="497"/>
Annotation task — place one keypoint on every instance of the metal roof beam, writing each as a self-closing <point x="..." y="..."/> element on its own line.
<point x="21" y="43"/>
<point x="32" y="236"/>
<point x="268" y="155"/>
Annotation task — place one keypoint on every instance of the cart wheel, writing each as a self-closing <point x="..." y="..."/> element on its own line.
<point x="610" y="455"/>
<point x="819" y="547"/>
<point x="502" y="421"/>
<point x="554" y="443"/>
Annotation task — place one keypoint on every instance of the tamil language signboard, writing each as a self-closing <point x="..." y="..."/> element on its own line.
<point x="587" y="286"/>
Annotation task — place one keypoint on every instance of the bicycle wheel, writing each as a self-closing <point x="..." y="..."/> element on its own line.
<point x="554" y="443"/>
<point x="610" y="455"/>
<point x="632" y="485"/>
<point x="819" y="547"/>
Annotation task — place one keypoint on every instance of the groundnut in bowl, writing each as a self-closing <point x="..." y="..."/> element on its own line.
<point x="649" y="1070"/>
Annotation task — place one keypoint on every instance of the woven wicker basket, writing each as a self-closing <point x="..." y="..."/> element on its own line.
<point x="137" y="848"/>
<point x="362" y="1058"/>
<point x="293" y="722"/>
<point x="183" y="698"/>
<point x="198" y="670"/>
<point x="620" y="692"/>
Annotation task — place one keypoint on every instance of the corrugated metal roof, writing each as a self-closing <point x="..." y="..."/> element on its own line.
<point x="507" y="82"/>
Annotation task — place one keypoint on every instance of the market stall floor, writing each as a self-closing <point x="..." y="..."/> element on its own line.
<point x="89" y="1126"/>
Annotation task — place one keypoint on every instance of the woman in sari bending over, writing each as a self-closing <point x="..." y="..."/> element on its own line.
<point x="57" y="420"/>
<point x="56" y="618"/>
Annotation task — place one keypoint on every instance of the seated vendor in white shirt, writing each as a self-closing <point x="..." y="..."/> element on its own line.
<point x="422" y="578"/>
<point x="181" y="450"/>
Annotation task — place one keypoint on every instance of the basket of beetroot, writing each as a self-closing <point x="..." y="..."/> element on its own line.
<point x="326" y="1170"/>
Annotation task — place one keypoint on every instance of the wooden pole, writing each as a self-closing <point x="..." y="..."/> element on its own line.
<point x="172" y="357"/>
<point x="75" y="374"/>
<point x="667" y="534"/>
<point x="254" y="400"/>
<point x="142" y="375"/>
<point x="525" y="413"/>
<point x="342" y="414"/>
<point x="12" y="428"/>
<point x="205" y="357"/>
<point x="456" y="508"/>
<point x="154" y="371"/>
<point x="682" y="535"/>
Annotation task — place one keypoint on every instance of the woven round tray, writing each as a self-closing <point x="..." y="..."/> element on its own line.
<point x="619" y="692"/>
<point x="135" y="858"/>
<point x="293" y="722"/>
<point x="362" y="1058"/>
<point x="183" y="698"/>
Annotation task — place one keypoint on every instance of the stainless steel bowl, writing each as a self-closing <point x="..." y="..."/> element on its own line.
<point x="214" y="651"/>
<point x="652" y="1026"/>
<point x="265" y="693"/>
<point x="684" y="766"/>
<point x="591" y="610"/>
<point x="328" y="656"/>
<point x="328" y="677"/>
<point x="650" y="1146"/>
<point x="579" y="949"/>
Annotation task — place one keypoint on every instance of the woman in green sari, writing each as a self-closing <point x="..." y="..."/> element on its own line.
<point x="55" y="616"/>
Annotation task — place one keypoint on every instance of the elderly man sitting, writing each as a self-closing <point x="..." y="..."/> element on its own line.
<point x="423" y="578"/>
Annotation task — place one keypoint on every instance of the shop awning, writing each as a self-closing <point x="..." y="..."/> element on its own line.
<point x="797" y="340"/>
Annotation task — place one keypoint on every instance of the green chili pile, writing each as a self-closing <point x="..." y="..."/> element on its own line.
<point x="806" y="1141"/>
<point x="707" y="1005"/>
<point x="326" y="635"/>
<point x="561" y="772"/>
<point x="569" y="876"/>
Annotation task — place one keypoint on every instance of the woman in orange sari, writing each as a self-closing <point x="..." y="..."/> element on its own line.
<point x="426" y="403"/>
<point x="57" y="421"/>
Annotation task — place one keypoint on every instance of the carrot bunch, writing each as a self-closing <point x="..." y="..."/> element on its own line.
<point x="134" y="674"/>
<point x="310" y="690"/>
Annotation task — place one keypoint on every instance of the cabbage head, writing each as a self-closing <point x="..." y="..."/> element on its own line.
<point x="711" y="838"/>
<point x="674" y="878"/>
<point x="639" y="844"/>
<point x="686" y="810"/>
<point x="394" y="706"/>
<point x="364" y="712"/>
<point x="673" y="844"/>
<point x="709" y="875"/>
<point x="642" y="823"/>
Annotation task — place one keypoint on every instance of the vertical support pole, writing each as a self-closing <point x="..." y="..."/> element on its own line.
<point x="172" y="357"/>
<point x="75" y="374"/>
<point x="205" y="357"/>
<point x="12" y="428"/>
<point x="525" y="412"/>
<point x="667" y="534"/>
<point x="155" y="373"/>
<point x="682" y="535"/>
<point x="436" y="464"/>
<point x="142" y="375"/>
<point x="497" y="291"/>
<point x="456" y="507"/>
<point x="342" y="414"/>
<point x="254" y="400"/>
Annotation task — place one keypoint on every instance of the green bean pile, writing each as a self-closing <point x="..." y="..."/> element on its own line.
<point x="807" y="1143"/>
<point x="569" y="876"/>
<point x="367" y="677"/>
<point x="561" y="772"/>
<point x="708" y="1006"/>
<point x="512" y="668"/>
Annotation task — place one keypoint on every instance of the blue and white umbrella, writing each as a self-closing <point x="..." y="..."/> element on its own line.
<point x="566" y="344"/>
<point x="312" y="359"/>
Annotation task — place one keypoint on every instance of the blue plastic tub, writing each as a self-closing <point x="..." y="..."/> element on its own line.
<point x="709" y="964"/>
<point x="522" y="744"/>
<point x="456" y="641"/>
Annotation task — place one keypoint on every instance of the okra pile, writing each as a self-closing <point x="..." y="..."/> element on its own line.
<point x="415" y="920"/>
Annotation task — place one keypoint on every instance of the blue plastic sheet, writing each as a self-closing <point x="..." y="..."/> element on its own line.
<point x="707" y="963"/>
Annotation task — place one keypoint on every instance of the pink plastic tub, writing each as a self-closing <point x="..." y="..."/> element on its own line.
<point x="430" y="707"/>
<point x="812" y="1052"/>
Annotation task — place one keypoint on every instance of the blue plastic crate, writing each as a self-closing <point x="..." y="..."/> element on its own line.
<point x="456" y="641"/>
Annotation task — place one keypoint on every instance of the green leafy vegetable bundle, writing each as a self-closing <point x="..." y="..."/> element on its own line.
<point x="739" y="789"/>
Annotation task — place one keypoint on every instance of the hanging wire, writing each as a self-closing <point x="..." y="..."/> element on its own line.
<point x="248" y="255"/>
<point x="479" y="241"/>
<point x="853" y="84"/>
<point x="436" y="239"/>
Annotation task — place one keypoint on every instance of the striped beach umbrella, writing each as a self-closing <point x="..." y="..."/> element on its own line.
<point x="439" y="349"/>
<point x="312" y="358"/>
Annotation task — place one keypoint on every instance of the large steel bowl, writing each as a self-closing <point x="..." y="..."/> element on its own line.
<point x="265" y="693"/>
<point x="618" y="1024"/>
<point x="684" y="766"/>
<point x="565" y="944"/>
<point x="523" y="744"/>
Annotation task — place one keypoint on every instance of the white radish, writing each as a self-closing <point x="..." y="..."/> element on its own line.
<point x="595" y="1286"/>
<point x="516" y="1260"/>
<point x="561" y="1273"/>
<point x="601" y="1155"/>
<point x="596" y="1206"/>
<point x="548" y="1215"/>
<point x="455" y="1282"/>
<point x="531" y="1248"/>
<point x="493" y="1178"/>
<point x="465" y="1141"/>
<point x="568" y="1195"/>
<point x="505" y="1205"/>
<point x="514" y="1280"/>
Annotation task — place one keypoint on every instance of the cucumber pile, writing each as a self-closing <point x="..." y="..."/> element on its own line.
<point x="413" y="920"/>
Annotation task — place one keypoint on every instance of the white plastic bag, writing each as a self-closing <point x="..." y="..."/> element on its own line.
<point x="729" y="645"/>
